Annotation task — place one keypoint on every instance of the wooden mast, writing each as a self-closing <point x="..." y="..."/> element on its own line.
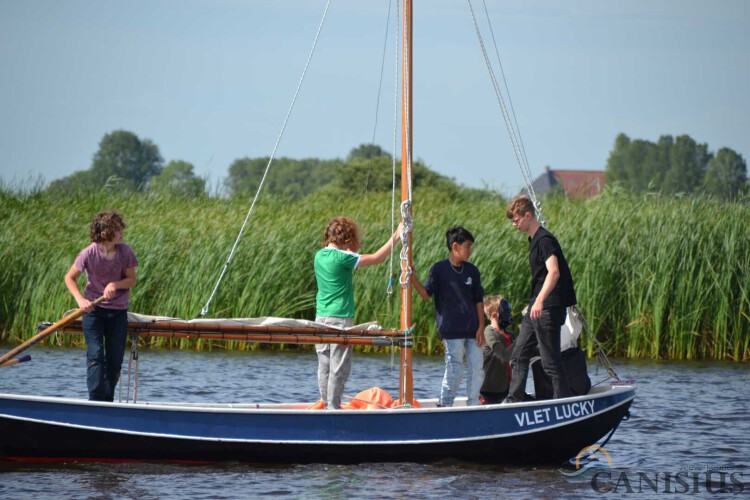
<point x="406" y="386"/>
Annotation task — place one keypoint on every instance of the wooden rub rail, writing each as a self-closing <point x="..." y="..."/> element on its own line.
<point x="260" y="333"/>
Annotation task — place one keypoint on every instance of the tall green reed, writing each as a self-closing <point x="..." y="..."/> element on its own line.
<point x="659" y="277"/>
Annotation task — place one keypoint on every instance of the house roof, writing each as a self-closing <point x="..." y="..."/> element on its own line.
<point x="581" y="183"/>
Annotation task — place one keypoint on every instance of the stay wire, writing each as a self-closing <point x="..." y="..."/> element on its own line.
<point x="389" y="289"/>
<point x="505" y="84"/>
<point x="205" y="309"/>
<point x="518" y="151"/>
<point x="377" y="101"/>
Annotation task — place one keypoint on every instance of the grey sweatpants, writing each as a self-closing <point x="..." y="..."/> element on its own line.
<point x="334" y="364"/>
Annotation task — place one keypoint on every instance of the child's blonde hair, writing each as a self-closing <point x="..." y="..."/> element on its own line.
<point x="492" y="305"/>
<point x="341" y="231"/>
<point x="497" y="304"/>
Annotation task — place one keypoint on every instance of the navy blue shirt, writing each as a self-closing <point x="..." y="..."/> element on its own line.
<point x="541" y="247"/>
<point x="457" y="291"/>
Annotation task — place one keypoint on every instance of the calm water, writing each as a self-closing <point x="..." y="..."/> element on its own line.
<point x="686" y="417"/>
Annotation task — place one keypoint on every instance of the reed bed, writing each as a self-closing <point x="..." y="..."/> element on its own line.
<point x="656" y="276"/>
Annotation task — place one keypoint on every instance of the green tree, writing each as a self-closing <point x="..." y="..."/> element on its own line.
<point x="244" y="175"/>
<point x="123" y="161"/>
<point x="615" y="171"/>
<point x="123" y="154"/>
<point x="672" y="165"/>
<point x="638" y="164"/>
<point x="360" y="174"/>
<point x="657" y="163"/>
<point x="367" y="151"/>
<point x="687" y="166"/>
<point x="286" y="176"/>
<point x="376" y="174"/>
<point x="367" y="168"/>
<point x="79" y="181"/>
<point x="178" y="179"/>
<point x="726" y="175"/>
<point x="370" y="168"/>
<point x="634" y="163"/>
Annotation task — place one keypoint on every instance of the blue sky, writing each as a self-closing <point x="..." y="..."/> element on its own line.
<point x="210" y="81"/>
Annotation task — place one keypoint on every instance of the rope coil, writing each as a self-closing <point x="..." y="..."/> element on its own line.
<point x="406" y="228"/>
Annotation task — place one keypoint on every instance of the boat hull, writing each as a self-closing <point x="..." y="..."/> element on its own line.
<point x="57" y="429"/>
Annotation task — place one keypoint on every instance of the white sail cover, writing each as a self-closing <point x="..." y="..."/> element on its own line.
<point x="262" y="321"/>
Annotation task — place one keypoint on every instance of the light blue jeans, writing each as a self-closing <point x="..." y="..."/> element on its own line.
<point x="455" y="352"/>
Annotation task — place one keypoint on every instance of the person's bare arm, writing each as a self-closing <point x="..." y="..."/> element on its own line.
<point x="70" y="282"/>
<point x="421" y="291"/>
<point x="127" y="282"/>
<point x="480" y="331"/>
<point x="372" y="259"/>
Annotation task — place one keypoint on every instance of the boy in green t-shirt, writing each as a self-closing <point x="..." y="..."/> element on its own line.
<point x="334" y="302"/>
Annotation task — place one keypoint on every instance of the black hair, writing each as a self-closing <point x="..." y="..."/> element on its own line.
<point x="504" y="314"/>
<point x="457" y="234"/>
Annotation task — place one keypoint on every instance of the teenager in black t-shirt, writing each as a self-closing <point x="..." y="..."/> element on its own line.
<point x="552" y="293"/>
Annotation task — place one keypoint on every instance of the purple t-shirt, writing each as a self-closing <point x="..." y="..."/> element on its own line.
<point x="100" y="272"/>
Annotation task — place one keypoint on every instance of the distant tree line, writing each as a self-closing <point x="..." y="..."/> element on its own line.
<point x="367" y="168"/>
<point x="124" y="161"/>
<point x="676" y="165"/>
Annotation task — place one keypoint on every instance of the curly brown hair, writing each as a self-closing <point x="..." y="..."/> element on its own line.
<point x="104" y="226"/>
<point x="342" y="232"/>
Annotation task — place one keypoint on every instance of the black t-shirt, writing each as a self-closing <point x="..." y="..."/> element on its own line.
<point x="541" y="247"/>
<point x="456" y="291"/>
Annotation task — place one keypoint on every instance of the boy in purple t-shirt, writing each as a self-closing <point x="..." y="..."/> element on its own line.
<point x="109" y="265"/>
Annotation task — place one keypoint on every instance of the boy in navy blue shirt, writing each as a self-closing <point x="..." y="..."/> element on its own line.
<point x="459" y="313"/>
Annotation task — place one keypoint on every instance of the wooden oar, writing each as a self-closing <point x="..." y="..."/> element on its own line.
<point x="16" y="361"/>
<point x="44" y="333"/>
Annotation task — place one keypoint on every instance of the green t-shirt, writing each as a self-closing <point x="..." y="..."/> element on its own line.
<point x="333" y="272"/>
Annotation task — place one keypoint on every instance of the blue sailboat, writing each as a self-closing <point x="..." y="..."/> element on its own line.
<point x="35" y="428"/>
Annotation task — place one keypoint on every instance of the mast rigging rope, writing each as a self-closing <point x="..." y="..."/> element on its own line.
<point x="513" y="133"/>
<point x="205" y="309"/>
<point x="389" y="289"/>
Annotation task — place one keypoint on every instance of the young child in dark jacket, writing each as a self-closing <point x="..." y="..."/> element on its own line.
<point x="497" y="350"/>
